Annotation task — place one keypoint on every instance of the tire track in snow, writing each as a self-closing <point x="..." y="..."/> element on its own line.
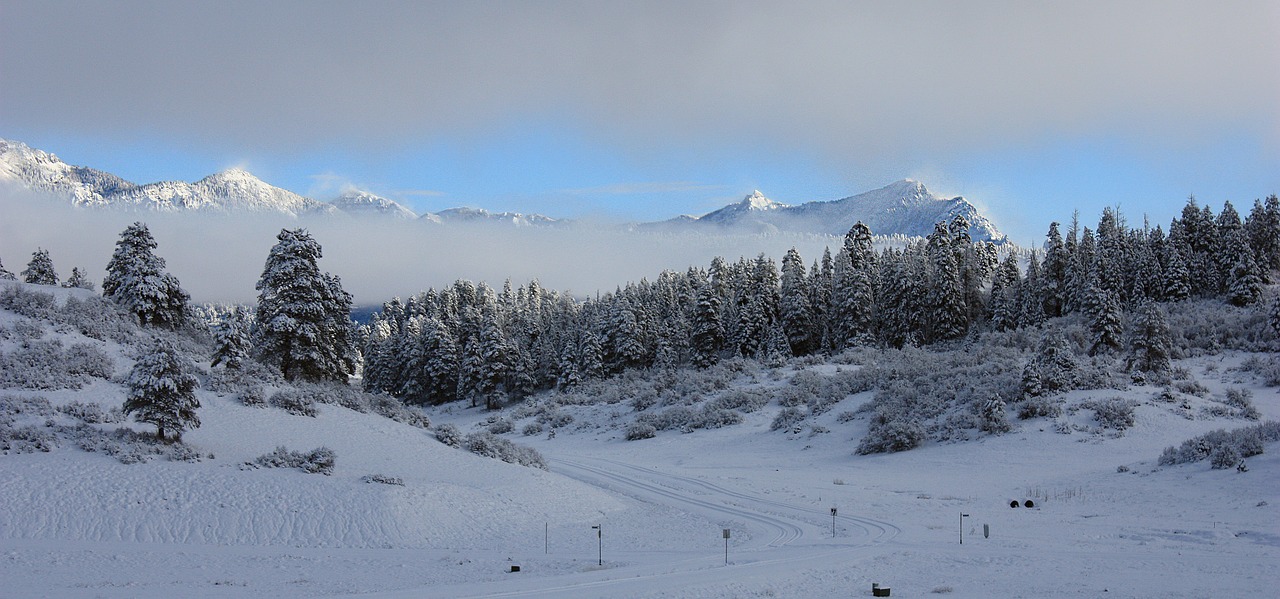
<point x="784" y="532"/>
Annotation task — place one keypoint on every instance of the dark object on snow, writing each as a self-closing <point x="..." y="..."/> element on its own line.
<point x="1242" y="467"/>
<point x="1028" y="503"/>
<point x="515" y="568"/>
<point x="1013" y="503"/>
<point x="876" y="591"/>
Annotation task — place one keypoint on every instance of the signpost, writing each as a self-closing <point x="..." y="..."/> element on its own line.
<point x="726" y="546"/>
<point x="599" y="544"/>
<point x="833" y="522"/>
<point x="962" y="517"/>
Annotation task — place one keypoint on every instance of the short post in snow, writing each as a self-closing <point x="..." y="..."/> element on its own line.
<point x="962" y="517"/>
<point x="599" y="545"/>
<point x="726" y="546"/>
<point x="833" y="522"/>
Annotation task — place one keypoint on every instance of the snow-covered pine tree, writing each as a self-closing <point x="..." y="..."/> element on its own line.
<point x="162" y="392"/>
<point x="1263" y="228"/>
<point x="77" y="280"/>
<point x="944" y="296"/>
<point x="1244" y="283"/>
<point x="1149" y="341"/>
<point x="231" y="340"/>
<point x="1274" y="317"/>
<point x="797" y="313"/>
<point x="5" y="275"/>
<point x="1105" y="324"/>
<point x="303" y="320"/>
<point x="1177" y="279"/>
<point x="1004" y="302"/>
<point x="1053" y="282"/>
<point x="1031" y="299"/>
<point x="40" y="270"/>
<point x="136" y="281"/>
<point x="1053" y="369"/>
<point x="708" y="334"/>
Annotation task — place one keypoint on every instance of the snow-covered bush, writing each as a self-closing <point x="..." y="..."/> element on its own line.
<point x="294" y="401"/>
<point x="320" y="460"/>
<point x="1247" y="442"/>
<point x="26" y="439"/>
<point x="1242" y="401"/>
<point x="891" y="436"/>
<point x="449" y="435"/>
<point x="1040" y="407"/>
<point x="253" y="397"/>
<point x="787" y="419"/>
<point x="92" y="413"/>
<point x="45" y="364"/>
<point x="555" y="418"/>
<point x="1192" y="387"/>
<point x="383" y="479"/>
<point x="533" y="428"/>
<point x="992" y="417"/>
<point x="1223" y="457"/>
<point x="743" y="400"/>
<point x="493" y="446"/>
<point x="1115" y="413"/>
<point x="388" y="407"/>
<point x="641" y="430"/>
<point x="500" y="426"/>
<point x="32" y="304"/>
<point x="1266" y="367"/>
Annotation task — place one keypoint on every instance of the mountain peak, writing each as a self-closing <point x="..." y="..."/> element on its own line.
<point x="358" y="202"/>
<point x="758" y="201"/>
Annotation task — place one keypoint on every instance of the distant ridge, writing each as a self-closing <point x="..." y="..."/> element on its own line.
<point x="903" y="208"/>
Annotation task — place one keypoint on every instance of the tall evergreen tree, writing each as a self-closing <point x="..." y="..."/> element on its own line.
<point x="1105" y="324"/>
<point x="162" y="392"/>
<point x="5" y="275"/>
<point x="1244" y="284"/>
<point x="797" y="312"/>
<point x="1054" y="282"/>
<point x="137" y="282"/>
<point x="303" y="320"/>
<point x="40" y="270"/>
<point x="947" y="314"/>
<point x="1177" y="279"/>
<point x="708" y="334"/>
<point x="231" y="340"/>
<point x="1149" y="341"/>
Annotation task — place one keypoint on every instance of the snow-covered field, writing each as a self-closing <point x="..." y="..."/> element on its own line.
<point x="78" y="524"/>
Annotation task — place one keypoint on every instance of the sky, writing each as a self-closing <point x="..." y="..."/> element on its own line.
<point x="646" y="110"/>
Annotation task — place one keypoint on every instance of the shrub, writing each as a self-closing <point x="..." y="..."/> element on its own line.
<point x="1040" y="407"/>
<point x="252" y="397"/>
<point x="641" y="430"/>
<point x="533" y="428"/>
<point x="744" y="400"/>
<point x="892" y="436"/>
<point x="1223" y="457"/>
<point x="449" y="435"/>
<point x="1247" y="442"/>
<point x="493" y="446"/>
<point x="787" y="419"/>
<point x="383" y="480"/>
<point x="1114" y="413"/>
<point x="320" y="460"/>
<point x="500" y="426"/>
<point x="92" y="413"/>
<point x="294" y="401"/>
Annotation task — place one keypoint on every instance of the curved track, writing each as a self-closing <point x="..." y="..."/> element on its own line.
<point x="782" y="538"/>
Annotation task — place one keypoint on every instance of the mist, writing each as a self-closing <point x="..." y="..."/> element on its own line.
<point x="219" y="257"/>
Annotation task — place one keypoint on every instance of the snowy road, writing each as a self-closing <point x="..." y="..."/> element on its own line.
<point x="773" y="538"/>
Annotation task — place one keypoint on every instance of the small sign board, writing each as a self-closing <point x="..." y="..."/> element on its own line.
<point x="726" y="533"/>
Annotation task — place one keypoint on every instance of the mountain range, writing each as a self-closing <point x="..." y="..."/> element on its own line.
<point x="903" y="208"/>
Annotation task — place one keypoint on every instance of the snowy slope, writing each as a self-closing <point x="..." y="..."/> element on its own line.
<point x="480" y="215"/>
<point x="78" y="524"/>
<point x="232" y="190"/>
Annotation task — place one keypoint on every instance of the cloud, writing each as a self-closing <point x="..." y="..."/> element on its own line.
<point x="855" y="83"/>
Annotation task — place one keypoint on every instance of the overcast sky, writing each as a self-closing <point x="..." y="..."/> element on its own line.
<point x="645" y="110"/>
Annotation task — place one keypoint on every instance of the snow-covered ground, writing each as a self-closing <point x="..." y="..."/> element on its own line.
<point x="77" y="524"/>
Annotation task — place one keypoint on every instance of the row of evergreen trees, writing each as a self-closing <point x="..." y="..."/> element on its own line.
<point x="40" y="271"/>
<point x="473" y="343"/>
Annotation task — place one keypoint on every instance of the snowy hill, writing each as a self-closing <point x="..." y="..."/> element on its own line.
<point x="364" y="204"/>
<point x="232" y="190"/>
<point x="902" y="208"/>
<point x="89" y="511"/>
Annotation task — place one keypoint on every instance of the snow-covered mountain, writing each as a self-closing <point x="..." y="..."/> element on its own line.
<point x="904" y="208"/>
<point x="232" y="190"/>
<point x="474" y="215"/>
<point x="42" y="171"/>
<point x="365" y="204"/>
